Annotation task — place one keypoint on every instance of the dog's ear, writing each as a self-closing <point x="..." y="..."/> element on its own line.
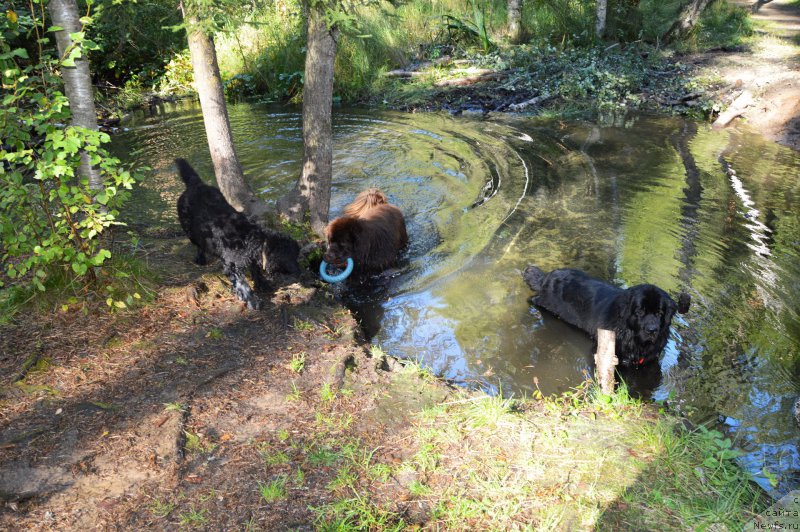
<point x="624" y="303"/>
<point x="684" y="300"/>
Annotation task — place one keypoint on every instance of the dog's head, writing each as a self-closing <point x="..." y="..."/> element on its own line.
<point x="647" y="312"/>
<point x="342" y="235"/>
<point x="279" y="254"/>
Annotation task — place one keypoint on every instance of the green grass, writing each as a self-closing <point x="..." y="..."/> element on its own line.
<point x="303" y="325"/>
<point x="273" y="459"/>
<point x="298" y="362"/>
<point x="160" y="508"/>
<point x="356" y="513"/>
<point x="694" y="479"/>
<point x="327" y="394"/>
<point x="274" y="490"/>
<point x="193" y="517"/>
<point x="295" y="394"/>
<point x="324" y="456"/>
<point x="579" y="460"/>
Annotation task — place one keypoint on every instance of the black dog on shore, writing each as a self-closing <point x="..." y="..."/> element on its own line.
<point x="640" y="316"/>
<point x="218" y="229"/>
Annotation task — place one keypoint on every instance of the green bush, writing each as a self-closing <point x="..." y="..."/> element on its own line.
<point x="50" y="218"/>
<point x="135" y="39"/>
<point x="178" y="77"/>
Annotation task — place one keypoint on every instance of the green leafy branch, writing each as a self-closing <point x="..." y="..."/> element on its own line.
<point x="49" y="216"/>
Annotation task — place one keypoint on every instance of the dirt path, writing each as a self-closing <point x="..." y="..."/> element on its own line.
<point x="764" y="79"/>
<point x="180" y="413"/>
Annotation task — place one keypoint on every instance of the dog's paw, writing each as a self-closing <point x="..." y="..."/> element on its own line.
<point x="254" y="303"/>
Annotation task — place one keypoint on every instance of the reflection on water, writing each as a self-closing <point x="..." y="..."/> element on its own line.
<point x="654" y="200"/>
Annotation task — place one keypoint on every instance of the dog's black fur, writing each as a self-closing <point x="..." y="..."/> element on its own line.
<point x="218" y="229"/>
<point x="640" y="315"/>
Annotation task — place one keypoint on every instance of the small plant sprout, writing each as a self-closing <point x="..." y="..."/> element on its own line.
<point x="193" y="517"/>
<point x="303" y="325"/>
<point x="327" y="393"/>
<point x="295" y="394"/>
<point x="298" y="362"/>
<point x="215" y="333"/>
<point x="274" y="490"/>
<point x="160" y="508"/>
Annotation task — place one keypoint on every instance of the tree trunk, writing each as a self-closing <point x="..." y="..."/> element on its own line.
<point x="515" y="21"/>
<point x="227" y="169"/>
<point x="312" y="193"/>
<point x="77" y="81"/>
<point x="600" y="24"/>
<point x="686" y="20"/>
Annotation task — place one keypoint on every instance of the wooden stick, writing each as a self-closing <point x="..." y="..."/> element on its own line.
<point x="471" y="80"/>
<point x="739" y="106"/>
<point x="605" y="360"/>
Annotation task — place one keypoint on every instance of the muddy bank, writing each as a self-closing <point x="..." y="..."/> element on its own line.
<point x="183" y="400"/>
<point x="193" y="412"/>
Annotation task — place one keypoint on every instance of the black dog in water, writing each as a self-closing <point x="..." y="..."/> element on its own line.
<point x="218" y="229"/>
<point x="640" y="316"/>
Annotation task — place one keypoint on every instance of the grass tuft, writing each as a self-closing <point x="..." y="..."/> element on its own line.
<point x="274" y="490"/>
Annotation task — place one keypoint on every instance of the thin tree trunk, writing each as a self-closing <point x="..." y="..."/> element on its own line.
<point x="312" y="193"/>
<point x="77" y="81"/>
<point x="686" y="20"/>
<point x="208" y="82"/>
<point x="600" y="24"/>
<point x="515" y="21"/>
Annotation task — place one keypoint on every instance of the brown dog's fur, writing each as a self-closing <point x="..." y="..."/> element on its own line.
<point x="372" y="232"/>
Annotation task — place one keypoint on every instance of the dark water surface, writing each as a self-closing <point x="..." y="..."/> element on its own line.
<point x="647" y="199"/>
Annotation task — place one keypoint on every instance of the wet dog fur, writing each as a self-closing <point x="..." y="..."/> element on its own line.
<point x="640" y="315"/>
<point x="372" y="232"/>
<point x="217" y="229"/>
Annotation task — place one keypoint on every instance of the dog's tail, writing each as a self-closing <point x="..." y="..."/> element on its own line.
<point x="365" y="201"/>
<point x="533" y="276"/>
<point x="187" y="173"/>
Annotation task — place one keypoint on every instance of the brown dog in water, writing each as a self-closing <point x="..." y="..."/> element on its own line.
<point x="372" y="232"/>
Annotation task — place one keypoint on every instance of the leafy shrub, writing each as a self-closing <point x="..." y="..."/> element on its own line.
<point x="49" y="216"/>
<point x="178" y="75"/>
<point x="239" y="86"/>
<point x="135" y="39"/>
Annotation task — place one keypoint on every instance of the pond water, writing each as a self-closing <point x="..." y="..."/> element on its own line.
<point x="631" y="200"/>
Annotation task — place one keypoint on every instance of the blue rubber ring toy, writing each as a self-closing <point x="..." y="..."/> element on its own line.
<point x="323" y="267"/>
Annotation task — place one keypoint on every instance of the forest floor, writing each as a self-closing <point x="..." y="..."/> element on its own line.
<point x="191" y="412"/>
